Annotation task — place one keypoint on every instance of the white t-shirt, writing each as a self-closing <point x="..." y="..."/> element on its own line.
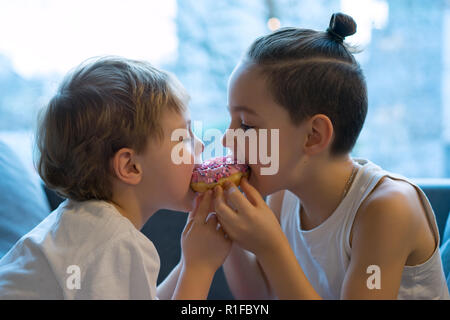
<point x="82" y="250"/>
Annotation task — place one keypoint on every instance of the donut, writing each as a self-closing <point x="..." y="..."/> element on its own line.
<point x="217" y="171"/>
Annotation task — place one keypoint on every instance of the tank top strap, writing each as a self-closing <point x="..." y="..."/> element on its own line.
<point x="288" y="209"/>
<point x="368" y="176"/>
<point x="424" y="200"/>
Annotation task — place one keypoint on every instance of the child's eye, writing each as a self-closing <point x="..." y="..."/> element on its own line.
<point x="245" y="127"/>
<point x="181" y="138"/>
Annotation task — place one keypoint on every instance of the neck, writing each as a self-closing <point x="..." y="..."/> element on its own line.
<point x="321" y="191"/>
<point x="128" y="205"/>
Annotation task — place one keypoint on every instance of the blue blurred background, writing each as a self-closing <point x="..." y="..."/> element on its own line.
<point x="405" y="56"/>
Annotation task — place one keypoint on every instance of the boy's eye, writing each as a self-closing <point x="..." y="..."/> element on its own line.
<point x="246" y="127"/>
<point x="181" y="138"/>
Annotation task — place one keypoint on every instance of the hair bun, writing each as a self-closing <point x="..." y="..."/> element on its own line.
<point x="341" y="26"/>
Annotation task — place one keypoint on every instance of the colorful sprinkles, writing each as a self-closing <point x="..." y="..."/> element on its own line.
<point x="211" y="171"/>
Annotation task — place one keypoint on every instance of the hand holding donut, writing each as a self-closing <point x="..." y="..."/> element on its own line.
<point x="204" y="246"/>
<point x="252" y="225"/>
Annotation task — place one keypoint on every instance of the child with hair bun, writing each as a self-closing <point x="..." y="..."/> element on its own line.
<point x="334" y="227"/>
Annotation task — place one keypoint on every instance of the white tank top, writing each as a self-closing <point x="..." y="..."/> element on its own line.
<point x="324" y="252"/>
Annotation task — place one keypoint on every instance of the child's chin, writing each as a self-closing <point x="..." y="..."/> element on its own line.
<point x="260" y="186"/>
<point x="188" y="201"/>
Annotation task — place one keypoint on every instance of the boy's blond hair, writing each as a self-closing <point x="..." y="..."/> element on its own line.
<point x="103" y="105"/>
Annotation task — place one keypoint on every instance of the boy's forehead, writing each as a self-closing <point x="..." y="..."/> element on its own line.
<point x="243" y="69"/>
<point x="178" y="90"/>
<point x="172" y="119"/>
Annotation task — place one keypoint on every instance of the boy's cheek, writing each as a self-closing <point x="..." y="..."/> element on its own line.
<point x="264" y="184"/>
<point x="180" y="194"/>
<point x="181" y="177"/>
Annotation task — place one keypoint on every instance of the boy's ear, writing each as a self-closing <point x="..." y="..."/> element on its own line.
<point x="320" y="134"/>
<point x="126" y="167"/>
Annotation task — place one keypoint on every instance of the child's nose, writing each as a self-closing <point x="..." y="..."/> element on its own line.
<point x="199" y="145"/>
<point x="230" y="142"/>
<point x="224" y="140"/>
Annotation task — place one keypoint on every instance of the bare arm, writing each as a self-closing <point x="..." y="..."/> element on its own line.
<point x="193" y="284"/>
<point x="255" y="227"/>
<point x="286" y="276"/>
<point x="204" y="249"/>
<point x="244" y="275"/>
<point x="243" y="272"/>
<point x="166" y="288"/>
<point x="383" y="237"/>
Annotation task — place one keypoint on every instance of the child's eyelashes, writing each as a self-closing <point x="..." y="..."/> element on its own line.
<point x="188" y="136"/>
<point x="246" y="127"/>
<point x="184" y="139"/>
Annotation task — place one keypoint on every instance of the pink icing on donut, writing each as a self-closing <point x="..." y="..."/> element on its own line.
<point x="212" y="170"/>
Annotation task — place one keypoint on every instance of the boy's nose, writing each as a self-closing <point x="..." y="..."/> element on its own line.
<point x="199" y="145"/>
<point x="229" y="143"/>
<point x="224" y="140"/>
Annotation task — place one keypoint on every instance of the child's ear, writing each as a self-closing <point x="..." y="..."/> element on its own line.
<point x="320" y="134"/>
<point x="126" y="167"/>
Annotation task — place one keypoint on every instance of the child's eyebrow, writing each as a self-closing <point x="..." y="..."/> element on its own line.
<point x="241" y="109"/>
<point x="183" y="124"/>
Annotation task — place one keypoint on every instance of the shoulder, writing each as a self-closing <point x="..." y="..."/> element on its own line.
<point x="393" y="209"/>
<point x="384" y="234"/>
<point x="122" y="269"/>
<point x="94" y="233"/>
<point x="394" y="200"/>
<point x="128" y="245"/>
<point x="275" y="202"/>
<point x="96" y="220"/>
<point x="124" y="262"/>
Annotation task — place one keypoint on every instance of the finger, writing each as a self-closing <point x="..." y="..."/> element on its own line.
<point x="203" y="208"/>
<point x="224" y="233"/>
<point x="212" y="219"/>
<point x="196" y="204"/>
<point x="218" y="197"/>
<point x="188" y="226"/>
<point x="236" y="198"/>
<point x="250" y="192"/>
<point x="213" y="222"/>
<point x="222" y="230"/>
<point x="211" y="205"/>
<point x="227" y="216"/>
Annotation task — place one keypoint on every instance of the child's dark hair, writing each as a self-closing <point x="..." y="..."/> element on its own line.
<point x="311" y="72"/>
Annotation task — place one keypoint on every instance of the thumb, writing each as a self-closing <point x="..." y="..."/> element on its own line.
<point x="202" y="210"/>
